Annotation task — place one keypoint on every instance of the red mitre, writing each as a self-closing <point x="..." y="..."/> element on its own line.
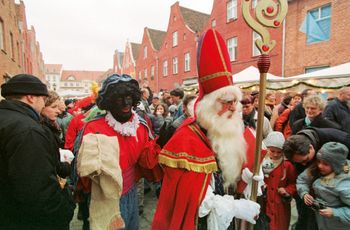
<point x="213" y="62"/>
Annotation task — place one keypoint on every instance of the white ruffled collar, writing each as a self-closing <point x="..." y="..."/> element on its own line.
<point x="128" y="128"/>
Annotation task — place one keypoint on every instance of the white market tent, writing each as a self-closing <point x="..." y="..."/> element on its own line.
<point x="72" y="94"/>
<point x="251" y="74"/>
<point x="331" y="78"/>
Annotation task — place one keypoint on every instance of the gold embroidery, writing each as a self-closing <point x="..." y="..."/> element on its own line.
<point x="185" y="164"/>
<point x="186" y="155"/>
<point x="222" y="57"/>
<point x="215" y="75"/>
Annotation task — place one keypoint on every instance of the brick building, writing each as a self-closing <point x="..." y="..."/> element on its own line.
<point x="147" y="62"/>
<point x="81" y="81"/>
<point x="227" y="18"/>
<point x="19" y="50"/>
<point x="10" y="41"/>
<point x="177" y="55"/>
<point x="53" y="76"/>
<point x="131" y="54"/>
<point x="118" y="58"/>
<point x="324" y="41"/>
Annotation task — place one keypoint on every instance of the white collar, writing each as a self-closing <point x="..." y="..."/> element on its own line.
<point x="128" y="128"/>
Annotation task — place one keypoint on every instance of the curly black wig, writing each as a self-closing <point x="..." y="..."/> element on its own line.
<point x="116" y="90"/>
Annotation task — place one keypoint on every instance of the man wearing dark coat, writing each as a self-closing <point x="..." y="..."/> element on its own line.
<point x="30" y="193"/>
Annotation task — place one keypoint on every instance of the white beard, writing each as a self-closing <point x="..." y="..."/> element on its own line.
<point x="226" y="135"/>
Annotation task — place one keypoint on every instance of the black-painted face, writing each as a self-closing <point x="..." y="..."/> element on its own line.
<point x="122" y="108"/>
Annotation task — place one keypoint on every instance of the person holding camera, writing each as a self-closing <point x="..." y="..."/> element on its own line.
<point x="329" y="180"/>
<point x="280" y="178"/>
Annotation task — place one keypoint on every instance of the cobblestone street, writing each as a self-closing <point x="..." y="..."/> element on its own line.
<point x="150" y="204"/>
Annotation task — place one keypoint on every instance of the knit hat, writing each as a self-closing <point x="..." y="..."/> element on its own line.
<point x="274" y="139"/>
<point x="24" y="84"/>
<point x="111" y="80"/>
<point x="335" y="154"/>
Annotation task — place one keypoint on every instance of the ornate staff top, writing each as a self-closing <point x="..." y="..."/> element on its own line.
<point x="268" y="13"/>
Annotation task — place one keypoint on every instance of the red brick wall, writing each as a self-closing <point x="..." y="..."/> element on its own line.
<point x="330" y="53"/>
<point x="128" y="62"/>
<point x="10" y="64"/>
<point x="238" y="28"/>
<point x="146" y="63"/>
<point x="167" y="51"/>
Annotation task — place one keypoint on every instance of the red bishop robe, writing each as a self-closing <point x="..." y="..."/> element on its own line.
<point x="188" y="163"/>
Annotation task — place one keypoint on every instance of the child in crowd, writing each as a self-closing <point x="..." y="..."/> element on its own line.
<point x="330" y="182"/>
<point x="280" y="177"/>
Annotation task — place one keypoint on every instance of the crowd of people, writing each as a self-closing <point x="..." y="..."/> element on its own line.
<point x="103" y="152"/>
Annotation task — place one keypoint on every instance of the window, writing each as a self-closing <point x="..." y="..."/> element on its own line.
<point x="65" y="84"/>
<point x="231" y="10"/>
<point x="145" y="52"/>
<point x="152" y="72"/>
<point x="187" y="62"/>
<point x="315" y="68"/>
<point x="213" y="23"/>
<point x="140" y="75"/>
<point x="145" y="76"/>
<point x="11" y="46"/>
<point x="185" y="37"/>
<point x="71" y="84"/>
<point x="165" y="68"/>
<point x="175" y="38"/>
<point x="232" y="48"/>
<point x="71" y="78"/>
<point x="175" y="69"/>
<point x="317" y="24"/>
<point x="2" y="35"/>
<point x="255" y="51"/>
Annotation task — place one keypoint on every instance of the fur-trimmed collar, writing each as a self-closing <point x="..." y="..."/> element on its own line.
<point x="128" y="128"/>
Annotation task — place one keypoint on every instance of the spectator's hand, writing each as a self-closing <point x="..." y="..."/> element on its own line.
<point x="327" y="212"/>
<point x="66" y="155"/>
<point x="165" y="133"/>
<point x="308" y="199"/>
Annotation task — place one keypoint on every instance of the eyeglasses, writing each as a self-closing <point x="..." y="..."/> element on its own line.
<point x="230" y="102"/>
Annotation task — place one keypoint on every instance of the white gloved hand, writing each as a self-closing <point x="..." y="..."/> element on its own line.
<point x="247" y="177"/>
<point x="66" y="155"/>
<point x="246" y="210"/>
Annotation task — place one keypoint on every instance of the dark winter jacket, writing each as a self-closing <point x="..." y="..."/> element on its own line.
<point x="30" y="194"/>
<point x="338" y="112"/>
<point x="318" y="122"/>
<point x="320" y="136"/>
<point x="297" y="113"/>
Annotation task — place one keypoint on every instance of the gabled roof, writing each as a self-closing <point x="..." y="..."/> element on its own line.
<point x="156" y="37"/>
<point x="120" y="59"/>
<point x="194" y="19"/>
<point x="80" y="75"/>
<point x="135" y="48"/>
<point x="53" y="68"/>
<point x="106" y="74"/>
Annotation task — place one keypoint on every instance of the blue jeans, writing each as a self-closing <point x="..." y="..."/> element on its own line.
<point x="129" y="209"/>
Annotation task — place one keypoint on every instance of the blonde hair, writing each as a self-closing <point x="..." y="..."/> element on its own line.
<point x="53" y="96"/>
<point x="314" y="100"/>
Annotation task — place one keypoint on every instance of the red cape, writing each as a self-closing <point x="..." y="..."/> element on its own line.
<point x="188" y="164"/>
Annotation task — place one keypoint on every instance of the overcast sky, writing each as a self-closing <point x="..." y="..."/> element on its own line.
<point x="83" y="34"/>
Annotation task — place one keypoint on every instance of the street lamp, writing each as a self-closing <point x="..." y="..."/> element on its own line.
<point x="54" y="86"/>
